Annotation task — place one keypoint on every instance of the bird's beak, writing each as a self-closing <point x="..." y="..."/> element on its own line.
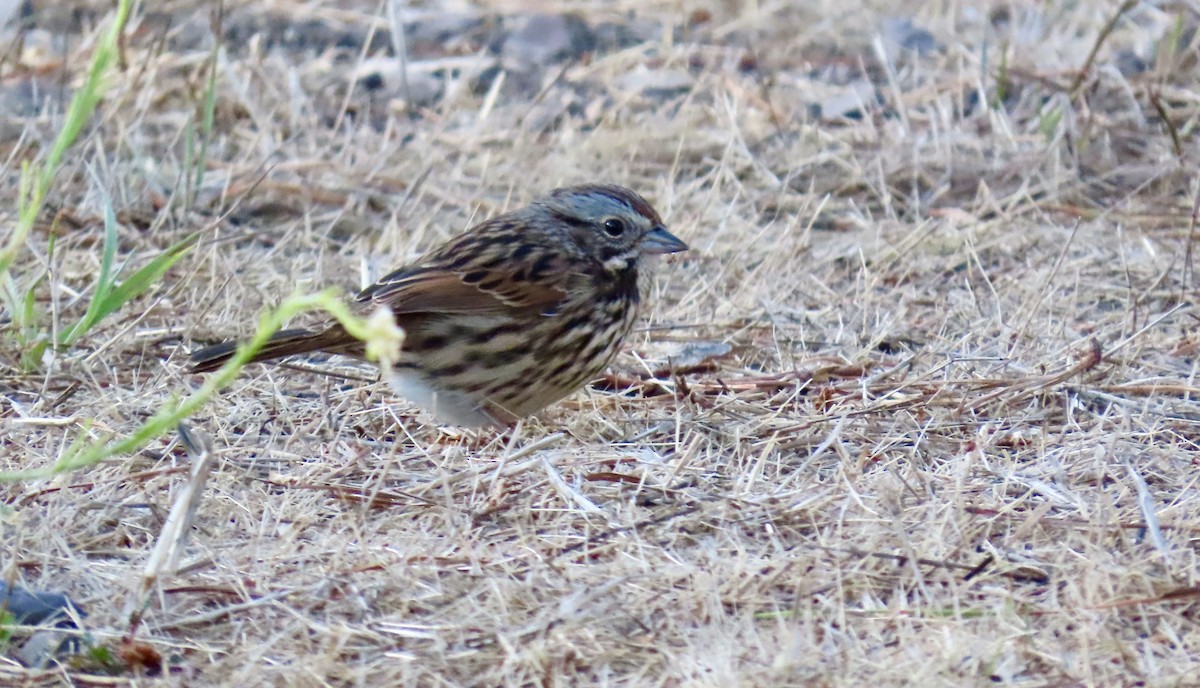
<point x="659" y="240"/>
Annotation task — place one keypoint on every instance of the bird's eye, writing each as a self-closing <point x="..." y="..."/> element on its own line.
<point x="614" y="227"/>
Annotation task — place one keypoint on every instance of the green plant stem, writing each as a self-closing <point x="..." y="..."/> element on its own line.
<point x="382" y="339"/>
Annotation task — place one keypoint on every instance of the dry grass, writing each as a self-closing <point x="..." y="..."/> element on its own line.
<point x="953" y="439"/>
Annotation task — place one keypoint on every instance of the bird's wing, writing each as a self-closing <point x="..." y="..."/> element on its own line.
<point x="425" y="288"/>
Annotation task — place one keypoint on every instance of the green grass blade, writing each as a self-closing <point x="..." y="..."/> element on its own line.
<point x="149" y="274"/>
<point x="103" y="281"/>
<point x="206" y="123"/>
<point x="33" y="342"/>
<point x="111" y="296"/>
<point x="80" y="110"/>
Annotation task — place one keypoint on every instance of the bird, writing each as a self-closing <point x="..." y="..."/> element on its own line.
<point x="512" y="315"/>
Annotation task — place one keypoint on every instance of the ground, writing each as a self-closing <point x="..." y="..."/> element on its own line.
<point x="918" y="406"/>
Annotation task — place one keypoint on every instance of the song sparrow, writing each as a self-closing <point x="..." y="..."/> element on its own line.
<point x="510" y="316"/>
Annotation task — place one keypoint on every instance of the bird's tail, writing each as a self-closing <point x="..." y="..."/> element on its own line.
<point x="282" y="343"/>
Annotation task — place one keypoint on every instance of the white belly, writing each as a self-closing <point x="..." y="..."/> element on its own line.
<point x="447" y="407"/>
